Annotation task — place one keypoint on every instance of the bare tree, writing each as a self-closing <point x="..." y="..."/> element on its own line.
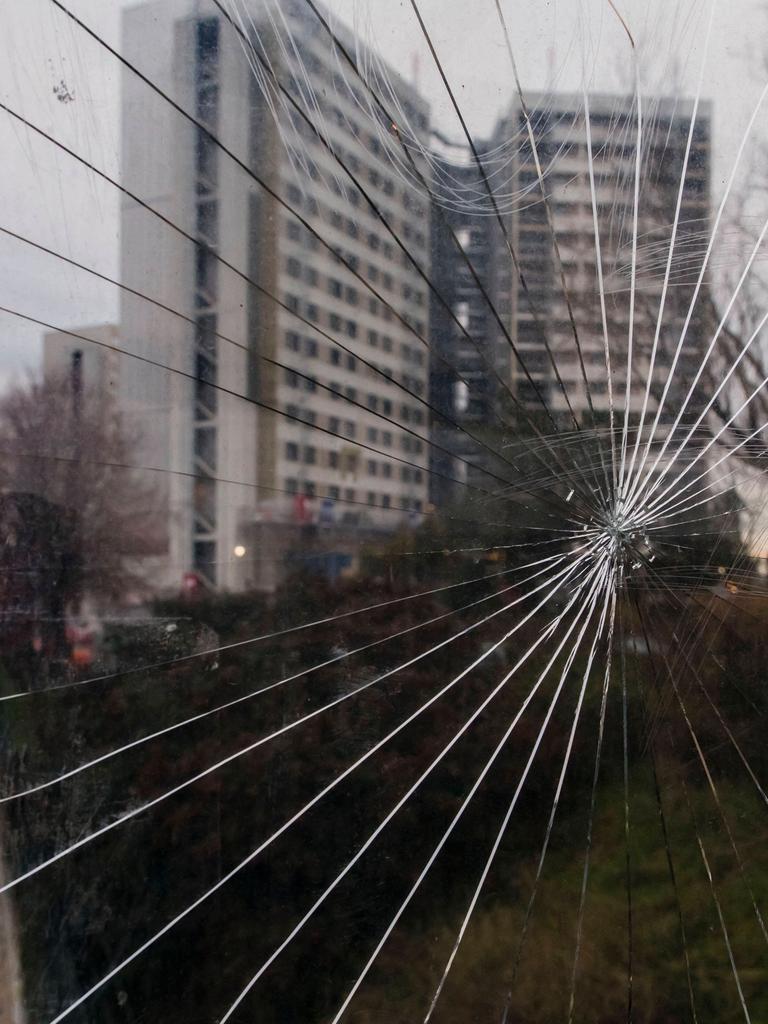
<point x="71" y="448"/>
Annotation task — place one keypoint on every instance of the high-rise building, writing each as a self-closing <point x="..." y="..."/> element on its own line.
<point x="529" y="310"/>
<point x="294" y="295"/>
<point x="562" y="142"/>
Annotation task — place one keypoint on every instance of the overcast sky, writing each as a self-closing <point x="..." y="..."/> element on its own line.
<point x="557" y="44"/>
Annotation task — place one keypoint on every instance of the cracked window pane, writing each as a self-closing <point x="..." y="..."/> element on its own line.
<point x="383" y="396"/>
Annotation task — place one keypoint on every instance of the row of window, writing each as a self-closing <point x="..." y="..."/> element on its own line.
<point x="303" y="201"/>
<point x="344" y="87"/>
<point x="350" y="494"/>
<point x="374" y="402"/>
<point x="347" y="428"/>
<point x="352" y="196"/>
<point x="351" y="295"/>
<point x="309" y="348"/>
<point x="350" y="461"/>
<point x="337" y="117"/>
<point x="375" y="306"/>
<point x="342" y="120"/>
<point x="312" y="312"/>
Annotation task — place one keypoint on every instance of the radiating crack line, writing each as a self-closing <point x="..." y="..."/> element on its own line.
<point x="568" y="573"/>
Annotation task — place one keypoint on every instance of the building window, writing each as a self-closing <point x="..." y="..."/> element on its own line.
<point x="207" y="44"/>
<point x="206" y="276"/>
<point x="207" y="221"/>
<point x="208" y="103"/>
<point x="204" y="558"/>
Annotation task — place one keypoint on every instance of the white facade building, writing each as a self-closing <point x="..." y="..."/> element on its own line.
<point x="264" y="325"/>
<point x="562" y="142"/>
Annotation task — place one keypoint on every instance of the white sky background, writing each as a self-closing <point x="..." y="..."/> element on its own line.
<point x="556" y="44"/>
